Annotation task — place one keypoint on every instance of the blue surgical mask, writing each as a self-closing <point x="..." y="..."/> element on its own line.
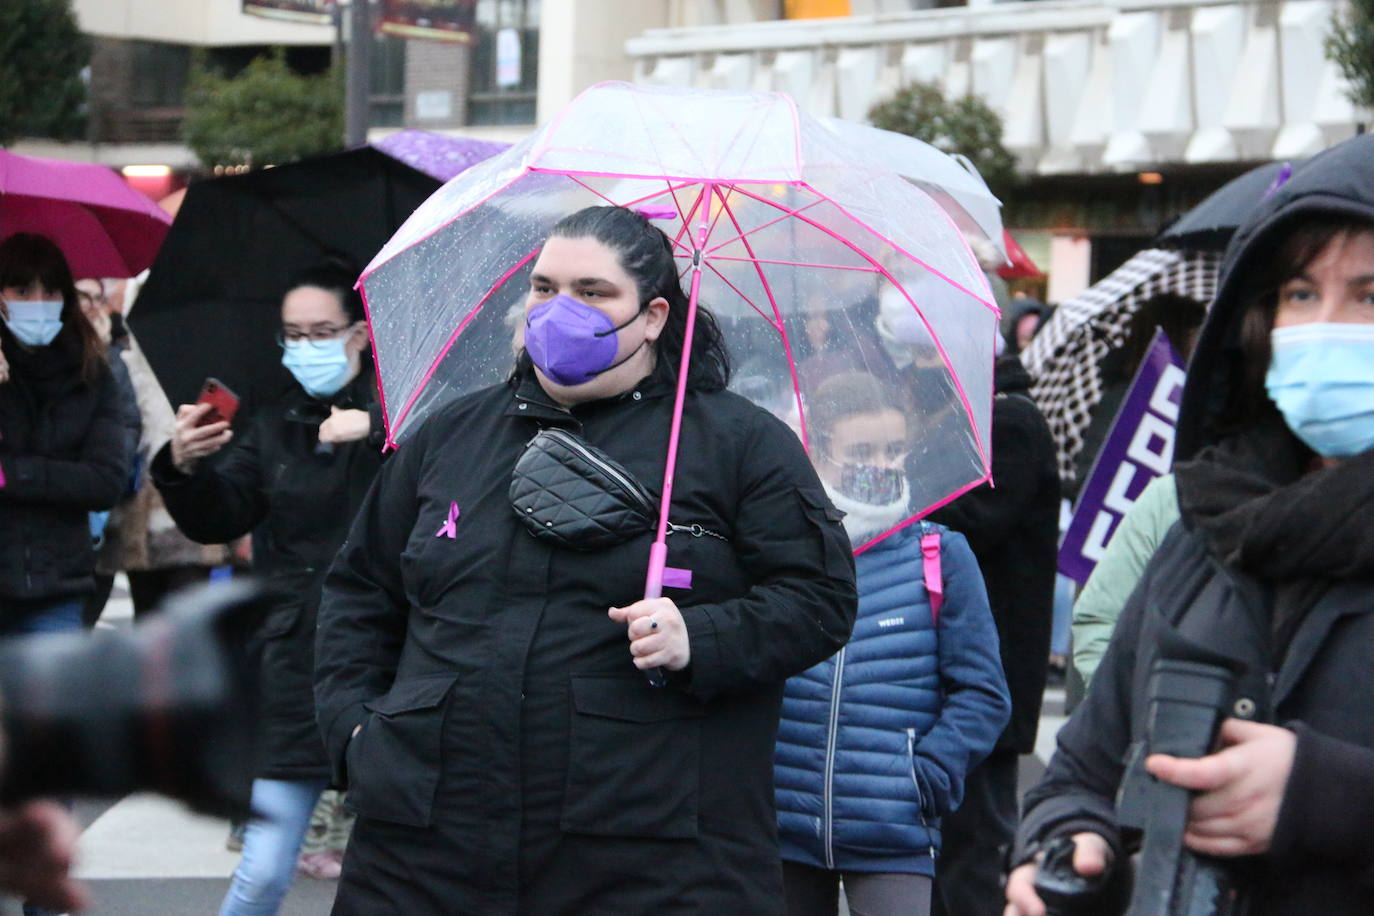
<point x="35" y="324"/>
<point x="1321" y="377"/>
<point x="320" y="366"/>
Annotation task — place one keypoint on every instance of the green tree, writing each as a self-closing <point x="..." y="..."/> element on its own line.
<point x="1351" y="46"/>
<point x="42" y="53"/>
<point x="966" y="125"/>
<point x="266" y="115"/>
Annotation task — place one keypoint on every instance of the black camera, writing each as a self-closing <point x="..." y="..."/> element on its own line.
<point x="1067" y="893"/>
<point x="168" y="706"/>
<point x="1189" y="691"/>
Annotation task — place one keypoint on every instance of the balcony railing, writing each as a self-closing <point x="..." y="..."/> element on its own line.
<point x="137" y="125"/>
<point x="1081" y="86"/>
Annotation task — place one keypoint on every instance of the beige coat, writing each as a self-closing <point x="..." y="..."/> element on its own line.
<point x="141" y="534"/>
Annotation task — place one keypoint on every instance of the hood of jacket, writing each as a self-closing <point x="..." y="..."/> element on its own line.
<point x="1339" y="181"/>
<point x="1009" y="376"/>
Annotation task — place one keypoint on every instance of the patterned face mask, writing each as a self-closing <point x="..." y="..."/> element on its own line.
<point x="867" y="483"/>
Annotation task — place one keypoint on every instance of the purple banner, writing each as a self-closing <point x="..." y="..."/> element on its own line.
<point x="1139" y="448"/>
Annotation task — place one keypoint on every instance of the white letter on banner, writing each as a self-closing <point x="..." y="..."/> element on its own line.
<point x="1095" y="544"/>
<point x="1162" y="400"/>
<point x="1152" y="428"/>
<point x="1116" y="499"/>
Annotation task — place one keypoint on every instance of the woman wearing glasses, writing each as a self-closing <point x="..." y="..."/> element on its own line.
<point x="299" y="467"/>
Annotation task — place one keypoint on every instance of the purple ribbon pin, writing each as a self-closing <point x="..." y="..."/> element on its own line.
<point x="450" y="527"/>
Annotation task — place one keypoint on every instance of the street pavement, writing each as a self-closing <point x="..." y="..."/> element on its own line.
<point x="147" y="856"/>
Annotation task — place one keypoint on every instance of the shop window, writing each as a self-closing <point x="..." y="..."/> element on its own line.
<point x="505" y="62"/>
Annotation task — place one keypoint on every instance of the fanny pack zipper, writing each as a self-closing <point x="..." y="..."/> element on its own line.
<point x="629" y="484"/>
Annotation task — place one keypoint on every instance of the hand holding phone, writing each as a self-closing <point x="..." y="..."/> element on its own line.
<point x="223" y="402"/>
<point x="202" y="428"/>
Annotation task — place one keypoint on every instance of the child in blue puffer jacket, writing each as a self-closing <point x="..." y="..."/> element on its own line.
<point x="874" y="743"/>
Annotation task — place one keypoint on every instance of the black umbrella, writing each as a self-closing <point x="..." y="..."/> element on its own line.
<point x="1209" y="225"/>
<point x="212" y="303"/>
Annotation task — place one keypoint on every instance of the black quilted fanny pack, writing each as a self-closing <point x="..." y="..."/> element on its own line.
<point x="574" y="495"/>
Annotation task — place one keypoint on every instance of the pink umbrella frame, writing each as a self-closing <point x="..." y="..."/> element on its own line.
<point x="696" y="255"/>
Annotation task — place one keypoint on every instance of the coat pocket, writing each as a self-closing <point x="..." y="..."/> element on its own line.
<point x="394" y="762"/>
<point x="634" y="760"/>
<point x="829" y="524"/>
<point x="290" y="592"/>
<point x="281" y="620"/>
<point x="925" y="807"/>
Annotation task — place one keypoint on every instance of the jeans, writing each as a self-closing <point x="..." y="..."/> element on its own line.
<point x="54" y="615"/>
<point x="281" y="813"/>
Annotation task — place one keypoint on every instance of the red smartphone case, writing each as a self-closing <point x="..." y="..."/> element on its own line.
<point x="223" y="402"/>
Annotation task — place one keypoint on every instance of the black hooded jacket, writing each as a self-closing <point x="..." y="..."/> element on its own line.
<point x="1272" y="566"/>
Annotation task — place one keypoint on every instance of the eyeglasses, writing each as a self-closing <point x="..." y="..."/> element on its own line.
<point x="290" y="336"/>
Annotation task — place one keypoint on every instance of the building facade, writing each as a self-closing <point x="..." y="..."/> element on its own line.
<point x="141" y="53"/>
<point x="1121" y="113"/>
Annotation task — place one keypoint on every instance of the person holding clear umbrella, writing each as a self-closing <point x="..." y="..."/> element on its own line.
<point x="481" y="683"/>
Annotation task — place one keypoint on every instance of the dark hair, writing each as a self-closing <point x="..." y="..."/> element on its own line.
<point x="848" y="394"/>
<point x="646" y="254"/>
<point x="1296" y="250"/>
<point x="26" y="257"/>
<point x="1178" y="316"/>
<point x="334" y="274"/>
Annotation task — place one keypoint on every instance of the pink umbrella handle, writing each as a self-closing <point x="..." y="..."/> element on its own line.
<point x="658" y="561"/>
<point x="658" y="553"/>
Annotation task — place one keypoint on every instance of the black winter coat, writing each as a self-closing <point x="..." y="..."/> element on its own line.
<point x="1271" y="564"/>
<point x="1322" y="859"/>
<point x="512" y="759"/>
<point x="1013" y="528"/>
<point x="63" y="454"/>
<point x="277" y="473"/>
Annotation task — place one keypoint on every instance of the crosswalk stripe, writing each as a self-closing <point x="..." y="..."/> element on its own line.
<point x="147" y="836"/>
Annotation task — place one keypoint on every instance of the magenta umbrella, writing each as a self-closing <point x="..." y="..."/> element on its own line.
<point x="103" y="226"/>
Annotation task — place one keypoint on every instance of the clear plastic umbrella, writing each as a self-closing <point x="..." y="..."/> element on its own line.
<point x="799" y="246"/>
<point x="953" y="181"/>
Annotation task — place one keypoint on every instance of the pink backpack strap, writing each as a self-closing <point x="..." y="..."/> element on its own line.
<point x="935" y="580"/>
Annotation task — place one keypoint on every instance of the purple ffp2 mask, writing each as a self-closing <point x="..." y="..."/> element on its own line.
<point x="571" y="342"/>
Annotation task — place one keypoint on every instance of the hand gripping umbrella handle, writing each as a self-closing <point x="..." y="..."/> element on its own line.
<point x="653" y="588"/>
